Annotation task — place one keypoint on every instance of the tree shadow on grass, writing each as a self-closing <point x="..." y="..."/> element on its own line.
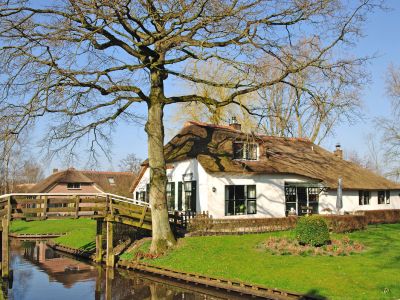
<point x="19" y="229"/>
<point x="313" y="294"/>
<point x="89" y="247"/>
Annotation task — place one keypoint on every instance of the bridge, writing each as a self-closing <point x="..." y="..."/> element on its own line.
<point x="102" y="207"/>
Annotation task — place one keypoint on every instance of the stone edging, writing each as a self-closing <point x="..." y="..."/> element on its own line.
<point x="207" y="281"/>
<point x="69" y="250"/>
<point x="34" y="235"/>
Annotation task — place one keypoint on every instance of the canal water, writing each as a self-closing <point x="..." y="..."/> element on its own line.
<point x="39" y="272"/>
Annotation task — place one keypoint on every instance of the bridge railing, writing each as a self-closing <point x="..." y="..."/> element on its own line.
<point x="111" y="207"/>
<point x="40" y="206"/>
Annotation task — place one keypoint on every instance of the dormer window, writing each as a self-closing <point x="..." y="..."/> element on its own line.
<point x="243" y="150"/>
<point x="73" y="186"/>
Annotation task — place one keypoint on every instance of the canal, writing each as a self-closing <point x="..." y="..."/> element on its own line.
<point x="39" y="272"/>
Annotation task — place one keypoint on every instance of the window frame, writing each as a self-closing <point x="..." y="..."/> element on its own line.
<point x="242" y="150"/>
<point x="75" y="186"/>
<point x="364" y="197"/>
<point x="381" y="197"/>
<point x="249" y="201"/>
<point x="387" y="197"/>
<point x="111" y="180"/>
<point x="170" y="193"/>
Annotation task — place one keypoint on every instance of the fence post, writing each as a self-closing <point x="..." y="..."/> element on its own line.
<point x="77" y="200"/>
<point x="5" y="251"/>
<point x="110" y="248"/>
<point x="45" y="207"/>
<point x="9" y="208"/>
<point x="99" y="241"/>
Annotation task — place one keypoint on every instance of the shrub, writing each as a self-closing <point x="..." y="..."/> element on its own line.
<point x="346" y="223"/>
<point x="285" y="246"/>
<point x="386" y="216"/>
<point x="312" y="230"/>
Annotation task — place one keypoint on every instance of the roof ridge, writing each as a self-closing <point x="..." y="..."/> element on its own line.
<point x="189" y="123"/>
<point x="106" y="172"/>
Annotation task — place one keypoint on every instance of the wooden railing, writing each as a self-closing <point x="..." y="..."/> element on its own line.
<point x="61" y="206"/>
<point x="103" y="207"/>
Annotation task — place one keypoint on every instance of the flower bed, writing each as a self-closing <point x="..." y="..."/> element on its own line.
<point x="285" y="246"/>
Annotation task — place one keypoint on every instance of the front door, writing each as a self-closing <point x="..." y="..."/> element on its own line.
<point x="302" y="201"/>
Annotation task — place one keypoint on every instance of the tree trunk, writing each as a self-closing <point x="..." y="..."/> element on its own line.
<point x="162" y="236"/>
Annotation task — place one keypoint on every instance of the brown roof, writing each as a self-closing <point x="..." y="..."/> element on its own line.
<point x="212" y="146"/>
<point x="123" y="181"/>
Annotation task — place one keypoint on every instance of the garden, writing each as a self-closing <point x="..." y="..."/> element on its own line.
<point x="359" y="265"/>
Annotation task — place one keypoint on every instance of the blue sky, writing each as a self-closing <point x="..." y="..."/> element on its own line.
<point x="381" y="37"/>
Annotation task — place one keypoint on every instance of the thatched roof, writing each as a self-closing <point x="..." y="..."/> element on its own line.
<point x="212" y="146"/>
<point x="122" y="181"/>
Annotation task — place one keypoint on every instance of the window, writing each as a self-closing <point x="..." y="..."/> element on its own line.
<point x="301" y="199"/>
<point x="246" y="151"/>
<point x="141" y="196"/>
<point x="111" y="180"/>
<point x="381" y="197"/>
<point x="291" y="199"/>
<point x="363" y="197"/>
<point x="387" y="197"/>
<point x="73" y="186"/>
<point x="171" y="195"/>
<point x="313" y="199"/>
<point x="189" y="195"/>
<point x="240" y="200"/>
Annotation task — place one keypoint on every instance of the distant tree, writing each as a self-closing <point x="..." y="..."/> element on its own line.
<point x="87" y="63"/>
<point x="372" y="159"/>
<point x="309" y="104"/>
<point x="391" y="124"/>
<point x="131" y="163"/>
<point x="30" y="172"/>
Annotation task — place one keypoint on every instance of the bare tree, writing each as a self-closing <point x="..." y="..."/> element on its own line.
<point x="200" y="112"/>
<point x="131" y="163"/>
<point x="87" y="62"/>
<point x="391" y="124"/>
<point x="312" y="102"/>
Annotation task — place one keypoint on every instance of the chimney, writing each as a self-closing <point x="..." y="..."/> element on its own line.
<point x="338" y="151"/>
<point x="235" y="125"/>
<point x="55" y="171"/>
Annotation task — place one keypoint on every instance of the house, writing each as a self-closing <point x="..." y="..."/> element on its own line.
<point x="76" y="181"/>
<point x="224" y="171"/>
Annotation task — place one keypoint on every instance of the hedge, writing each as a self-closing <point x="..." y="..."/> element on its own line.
<point x="205" y="225"/>
<point x="386" y="216"/>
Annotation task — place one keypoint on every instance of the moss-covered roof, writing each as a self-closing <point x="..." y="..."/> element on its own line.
<point x="212" y="146"/>
<point x="122" y="181"/>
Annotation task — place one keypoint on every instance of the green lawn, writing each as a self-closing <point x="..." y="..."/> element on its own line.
<point x="80" y="233"/>
<point x="373" y="274"/>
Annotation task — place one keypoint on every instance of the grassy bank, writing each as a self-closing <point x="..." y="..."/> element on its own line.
<point x="372" y="274"/>
<point x="79" y="233"/>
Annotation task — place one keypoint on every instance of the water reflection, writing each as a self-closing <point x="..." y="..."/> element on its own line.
<point x="42" y="273"/>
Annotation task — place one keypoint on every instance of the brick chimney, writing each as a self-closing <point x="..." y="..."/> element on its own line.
<point x="338" y="151"/>
<point x="235" y="124"/>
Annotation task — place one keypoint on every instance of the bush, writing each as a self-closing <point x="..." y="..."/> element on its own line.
<point x="312" y="230"/>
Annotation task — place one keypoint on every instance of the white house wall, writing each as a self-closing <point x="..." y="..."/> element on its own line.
<point x="175" y="175"/>
<point x="269" y="189"/>
<point x="351" y="201"/>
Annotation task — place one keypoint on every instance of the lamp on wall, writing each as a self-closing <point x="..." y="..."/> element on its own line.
<point x="214" y="189"/>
